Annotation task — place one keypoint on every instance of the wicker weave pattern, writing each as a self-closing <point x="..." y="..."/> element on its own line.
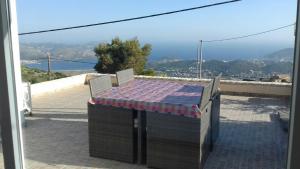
<point x="111" y="133"/>
<point x="205" y="135"/>
<point x="216" y="85"/>
<point x="177" y="142"/>
<point x="215" y="118"/>
<point x="206" y="94"/>
<point x="99" y="85"/>
<point x="124" y="76"/>
<point x="215" y="114"/>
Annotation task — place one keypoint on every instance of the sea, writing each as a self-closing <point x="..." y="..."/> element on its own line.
<point x="165" y="52"/>
<point x="62" y="66"/>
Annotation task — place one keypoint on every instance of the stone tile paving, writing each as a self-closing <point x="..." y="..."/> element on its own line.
<point x="56" y="135"/>
<point x="250" y="136"/>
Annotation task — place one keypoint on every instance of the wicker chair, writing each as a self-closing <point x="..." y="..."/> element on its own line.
<point x="111" y="129"/>
<point x="176" y="142"/>
<point x="124" y="76"/>
<point x="112" y="134"/>
<point x="216" y="85"/>
<point x="215" y="110"/>
<point x="206" y="95"/>
<point x="99" y="85"/>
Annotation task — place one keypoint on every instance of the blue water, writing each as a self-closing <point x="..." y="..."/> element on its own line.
<point x="219" y="51"/>
<point x="174" y="51"/>
<point x="65" y="65"/>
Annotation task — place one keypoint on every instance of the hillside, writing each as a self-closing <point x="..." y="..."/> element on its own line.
<point x="227" y="68"/>
<point x="284" y="55"/>
<point x="32" y="51"/>
<point x="36" y="76"/>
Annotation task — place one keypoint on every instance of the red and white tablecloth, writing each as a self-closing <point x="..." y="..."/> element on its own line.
<point x="154" y="95"/>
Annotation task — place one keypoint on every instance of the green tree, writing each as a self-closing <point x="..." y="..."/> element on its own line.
<point x="149" y="72"/>
<point x="119" y="55"/>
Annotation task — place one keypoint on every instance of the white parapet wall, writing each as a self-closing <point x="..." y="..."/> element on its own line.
<point x="273" y="89"/>
<point x="231" y="87"/>
<point x="58" y="84"/>
<point x="268" y="89"/>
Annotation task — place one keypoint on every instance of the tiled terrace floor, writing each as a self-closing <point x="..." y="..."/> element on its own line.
<point x="56" y="135"/>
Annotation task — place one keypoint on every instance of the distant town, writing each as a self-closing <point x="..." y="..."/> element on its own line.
<point x="266" y="71"/>
<point x="274" y="67"/>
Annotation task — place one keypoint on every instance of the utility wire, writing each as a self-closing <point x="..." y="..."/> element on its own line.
<point x="249" y="35"/>
<point x="129" y="19"/>
<point x="207" y="41"/>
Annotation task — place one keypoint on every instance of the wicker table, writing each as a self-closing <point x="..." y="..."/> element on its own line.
<point x="128" y="111"/>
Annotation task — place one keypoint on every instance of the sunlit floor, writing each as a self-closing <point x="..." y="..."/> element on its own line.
<point x="56" y="135"/>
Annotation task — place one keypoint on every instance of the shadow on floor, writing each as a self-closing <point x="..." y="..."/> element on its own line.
<point x="249" y="145"/>
<point x="257" y="104"/>
<point x="62" y="142"/>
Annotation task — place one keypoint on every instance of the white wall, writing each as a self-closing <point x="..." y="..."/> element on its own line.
<point x="270" y="89"/>
<point x="56" y="85"/>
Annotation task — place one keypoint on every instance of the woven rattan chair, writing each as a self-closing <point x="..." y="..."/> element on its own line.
<point x="124" y="76"/>
<point x="216" y="85"/>
<point x="99" y="85"/>
<point x="176" y="142"/>
<point x="111" y="133"/>
<point x="206" y="95"/>
<point x="215" y="110"/>
<point x="111" y="129"/>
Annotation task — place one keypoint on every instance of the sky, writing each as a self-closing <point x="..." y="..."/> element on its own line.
<point x="177" y="30"/>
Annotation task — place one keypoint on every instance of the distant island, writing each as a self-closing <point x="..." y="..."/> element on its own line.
<point x="34" y="51"/>
<point x="276" y="63"/>
<point x="284" y="55"/>
<point x="237" y="69"/>
<point x="255" y="68"/>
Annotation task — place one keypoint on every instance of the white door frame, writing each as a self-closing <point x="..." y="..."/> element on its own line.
<point x="293" y="161"/>
<point x="10" y="87"/>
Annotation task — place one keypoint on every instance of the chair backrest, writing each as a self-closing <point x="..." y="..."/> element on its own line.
<point x="124" y="76"/>
<point x="216" y="84"/>
<point x="206" y="95"/>
<point x="100" y="84"/>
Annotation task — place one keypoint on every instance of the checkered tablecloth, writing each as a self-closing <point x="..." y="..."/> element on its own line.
<point x="154" y="95"/>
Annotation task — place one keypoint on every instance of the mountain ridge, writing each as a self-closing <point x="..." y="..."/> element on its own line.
<point x="35" y="51"/>
<point x="283" y="55"/>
